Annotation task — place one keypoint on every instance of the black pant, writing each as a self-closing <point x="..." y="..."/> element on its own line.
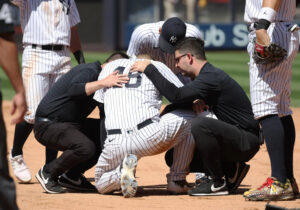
<point x="218" y="142"/>
<point x="7" y="186"/>
<point x="80" y="144"/>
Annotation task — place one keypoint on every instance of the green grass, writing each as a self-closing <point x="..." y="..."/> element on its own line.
<point x="234" y="63"/>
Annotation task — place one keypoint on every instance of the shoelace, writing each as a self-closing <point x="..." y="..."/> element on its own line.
<point x="268" y="183"/>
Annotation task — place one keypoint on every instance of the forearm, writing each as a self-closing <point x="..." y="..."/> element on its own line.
<point x="274" y="4"/>
<point x="9" y="61"/>
<point x="92" y="87"/>
<point x="75" y="45"/>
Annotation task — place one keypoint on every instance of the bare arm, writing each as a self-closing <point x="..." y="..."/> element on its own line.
<point x="262" y="36"/>
<point x="9" y="62"/>
<point x="75" y="45"/>
<point x="274" y="4"/>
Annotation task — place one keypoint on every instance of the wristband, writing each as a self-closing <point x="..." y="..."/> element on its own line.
<point x="267" y="13"/>
<point x="262" y="24"/>
<point x="79" y="56"/>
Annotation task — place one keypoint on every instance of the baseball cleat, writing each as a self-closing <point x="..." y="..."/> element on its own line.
<point x="271" y="190"/>
<point x="178" y="187"/>
<point x="79" y="184"/>
<point x="128" y="181"/>
<point x="295" y="188"/>
<point x="20" y="169"/>
<point x="48" y="183"/>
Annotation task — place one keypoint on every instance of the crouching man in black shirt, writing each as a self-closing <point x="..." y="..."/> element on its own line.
<point x="234" y="137"/>
<point x="61" y="123"/>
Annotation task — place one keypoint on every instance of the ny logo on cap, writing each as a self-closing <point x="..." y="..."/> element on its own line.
<point x="173" y="39"/>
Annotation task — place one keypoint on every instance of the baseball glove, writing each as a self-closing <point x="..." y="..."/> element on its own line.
<point x="268" y="54"/>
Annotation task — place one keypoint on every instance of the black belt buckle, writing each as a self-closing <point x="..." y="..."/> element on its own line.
<point x="114" y="131"/>
<point x="41" y="120"/>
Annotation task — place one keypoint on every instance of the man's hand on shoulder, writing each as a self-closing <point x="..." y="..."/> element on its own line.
<point x="140" y="65"/>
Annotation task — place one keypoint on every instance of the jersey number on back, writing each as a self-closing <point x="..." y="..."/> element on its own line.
<point x="5" y="14"/>
<point x="136" y="76"/>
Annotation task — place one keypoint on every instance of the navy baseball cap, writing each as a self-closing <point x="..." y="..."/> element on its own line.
<point x="172" y="31"/>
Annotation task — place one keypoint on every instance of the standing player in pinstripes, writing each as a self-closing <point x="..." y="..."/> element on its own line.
<point x="136" y="130"/>
<point x="162" y="34"/>
<point x="48" y="26"/>
<point x="270" y="21"/>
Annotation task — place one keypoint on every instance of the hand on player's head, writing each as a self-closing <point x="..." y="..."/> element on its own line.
<point x="140" y="65"/>
<point x="115" y="79"/>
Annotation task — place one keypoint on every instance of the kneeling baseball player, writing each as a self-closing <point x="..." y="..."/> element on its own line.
<point x="137" y="129"/>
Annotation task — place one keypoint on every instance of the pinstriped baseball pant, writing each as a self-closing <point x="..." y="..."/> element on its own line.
<point x="270" y="84"/>
<point x="173" y="129"/>
<point x="41" y="69"/>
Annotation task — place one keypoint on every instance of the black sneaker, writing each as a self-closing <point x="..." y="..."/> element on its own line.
<point x="208" y="187"/>
<point x="49" y="184"/>
<point x="202" y="179"/>
<point x="234" y="181"/>
<point x="79" y="184"/>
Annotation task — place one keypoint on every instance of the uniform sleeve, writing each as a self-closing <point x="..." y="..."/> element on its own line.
<point x="77" y="87"/>
<point x="134" y="43"/>
<point x="74" y="15"/>
<point x="193" y="31"/>
<point x="140" y="38"/>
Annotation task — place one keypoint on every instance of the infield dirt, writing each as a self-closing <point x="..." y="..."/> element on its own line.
<point x="151" y="178"/>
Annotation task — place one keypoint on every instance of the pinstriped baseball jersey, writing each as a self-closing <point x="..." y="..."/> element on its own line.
<point x="44" y="22"/>
<point x="149" y="33"/>
<point x="47" y="22"/>
<point x="136" y="102"/>
<point x="139" y="95"/>
<point x="270" y="84"/>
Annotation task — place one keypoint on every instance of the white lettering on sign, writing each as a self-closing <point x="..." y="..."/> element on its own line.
<point x="214" y="37"/>
<point x="240" y="35"/>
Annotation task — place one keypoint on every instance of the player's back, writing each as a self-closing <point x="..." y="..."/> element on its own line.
<point x="136" y="101"/>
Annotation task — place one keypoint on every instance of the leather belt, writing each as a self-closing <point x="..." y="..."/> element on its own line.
<point x="48" y="47"/>
<point x="139" y="126"/>
<point x="42" y="119"/>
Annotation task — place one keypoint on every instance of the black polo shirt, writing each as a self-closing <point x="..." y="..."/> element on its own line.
<point x="66" y="101"/>
<point x="220" y="92"/>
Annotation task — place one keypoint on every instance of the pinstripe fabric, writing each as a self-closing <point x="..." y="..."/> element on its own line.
<point x="148" y="35"/>
<point x="44" y="22"/>
<point x="270" y="85"/>
<point x="135" y="105"/>
<point x="41" y="68"/>
<point x="286" y="11"/>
